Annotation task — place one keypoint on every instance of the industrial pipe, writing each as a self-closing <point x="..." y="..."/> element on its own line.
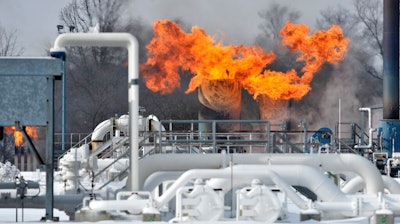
<point x="318" y="183"/>
<point x="371" y="130"/>
<point x="335" y="163"/>
<point x="391" y="59"/>
<point x="354" y="185"/>
<point x="129" y="42"/>
<point x="157" y="178"/>
<point x="347" y="205"/>
<point x="101" y="130"/>
<point x="118" y="205"/>
<point x="357" y="184"/>
<point x="66" y="203"/>
<point x="289" y="175"/>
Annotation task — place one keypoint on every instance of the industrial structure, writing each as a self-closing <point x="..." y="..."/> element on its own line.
<point x="140" y="168"/>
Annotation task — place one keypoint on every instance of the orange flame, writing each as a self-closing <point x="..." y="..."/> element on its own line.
<point x="18" y="136"/>
<point x="323" y="46"/>
<point x="172" y="50"/>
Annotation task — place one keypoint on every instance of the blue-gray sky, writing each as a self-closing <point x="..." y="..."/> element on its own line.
<point x="36" y="20"/>
<point x="237" y="19"/>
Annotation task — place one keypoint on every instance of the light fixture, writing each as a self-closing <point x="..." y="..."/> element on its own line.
<point x="60" y="28"/>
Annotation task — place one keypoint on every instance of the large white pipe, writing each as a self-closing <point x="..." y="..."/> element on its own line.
<point x="357" y="184"/>
<point x="293" y="175"/>
<point x="391" y="185"/>
<point x="354" y="185"/>
<point x="336" y="163"/>
<point x="242" y="174"/>
<point x="129" y="42"/>
<point x="283" y="177"/>
<point x="101" y="130"/>
<point x="222" y="173"/>
<point x="157" y="178"/>
<point x="118" y="205"/>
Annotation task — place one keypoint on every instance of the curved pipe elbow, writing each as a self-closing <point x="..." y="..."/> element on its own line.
<point x="131" y="44"/>
<point x="101" y="130"/>
<point x="94" y="39"/>
<point x="371" y="129"/>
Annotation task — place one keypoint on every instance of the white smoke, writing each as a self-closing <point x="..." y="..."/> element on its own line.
<point x="346" y="84"/>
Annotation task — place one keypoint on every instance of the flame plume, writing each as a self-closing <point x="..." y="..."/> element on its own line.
<point x="220" y="72"/>
<point x="172" y="49"/>
<point x="323" y="46"/>
<point x="272" y="89"/>
<point x="18" y="136"/>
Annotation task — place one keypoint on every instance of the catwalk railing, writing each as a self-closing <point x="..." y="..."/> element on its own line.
<point x="212" y="136"/>
<point x="232" y="136"/>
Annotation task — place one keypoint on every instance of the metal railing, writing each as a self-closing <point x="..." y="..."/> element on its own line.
<point x="208" y="136"/>
<point x="80" y="141"/>
<point x="72" y="139"/>
<point x="282" y="142"/>
<point x="353" y="134"/>
<point x="212" y="136"/>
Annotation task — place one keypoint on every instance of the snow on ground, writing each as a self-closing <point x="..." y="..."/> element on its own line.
<point x="12" y="215"/>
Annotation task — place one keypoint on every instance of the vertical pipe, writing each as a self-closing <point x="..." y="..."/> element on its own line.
<point x="49" y="150"/>
<point x="391" y="59"/>
<point x="214" y="136"/>
<point x="16" y="153"/>
<point x="29" y="161"/>
<point x="130" y="43"/>
<point x="133" y="96"/>
<point x="22" y="159"/>
<point x="63" y="105"/>
<point x="268" y="128"/>
<point x="370" y="130"/>
<point x="340" y="125"/>
<point x="390" y="76"/>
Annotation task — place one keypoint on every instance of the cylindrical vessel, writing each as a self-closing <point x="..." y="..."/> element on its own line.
<point x="223" y="96"/>
<point x="274" y="111"/>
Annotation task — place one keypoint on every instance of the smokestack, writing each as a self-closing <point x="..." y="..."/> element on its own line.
<point x="390" y="122"/>
<point x="391" y="59"/>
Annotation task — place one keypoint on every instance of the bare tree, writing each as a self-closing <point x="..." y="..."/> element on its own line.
<point x="354" y="80"/>
<point x="338" y="15"/>
<point x="96" y="76"/>
<point x="94" y="16"/>
<point x="369" y="15"/>
<point x="8" y="43"/>
<point x="274" y="18"/>
<point x="364" y="25"/>
<point x="8" y="47"/>
<point x="84" y="15"/>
